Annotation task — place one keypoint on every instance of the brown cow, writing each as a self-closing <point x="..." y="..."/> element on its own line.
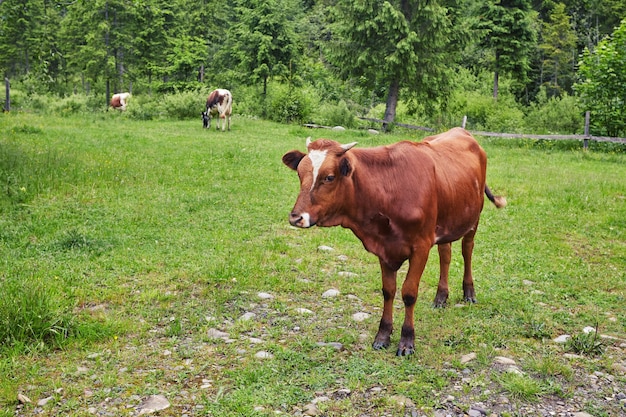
<point x="220" y="103"/>
<point x="119" y="101"/>
<point x="399" y="200"/>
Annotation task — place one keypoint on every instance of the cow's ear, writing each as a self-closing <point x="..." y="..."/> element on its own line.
<point x="292" y="159"/>
<point x="344" y="167"/>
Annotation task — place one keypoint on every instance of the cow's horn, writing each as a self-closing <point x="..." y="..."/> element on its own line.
<point x="308" y="141"/>
<point x="348" y="146"/>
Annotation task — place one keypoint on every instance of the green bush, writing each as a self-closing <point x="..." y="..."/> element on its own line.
<point x="555" y="115"/>
<point x="71" y="105"/>
<point x="335" y="115"/>
<point x="291" y="105"/>
<point x="184" y="105"/>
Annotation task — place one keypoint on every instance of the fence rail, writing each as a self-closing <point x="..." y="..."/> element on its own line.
<point x="585" y="138"/>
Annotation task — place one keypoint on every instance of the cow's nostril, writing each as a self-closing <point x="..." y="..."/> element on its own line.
<point x="294" y="218"/>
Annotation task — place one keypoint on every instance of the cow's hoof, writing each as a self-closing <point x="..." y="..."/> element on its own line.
<point x="440" y="304"/>
<point x="471" y="300"/>
<point x="378" y="345"/>
<point x="405" y="351"/>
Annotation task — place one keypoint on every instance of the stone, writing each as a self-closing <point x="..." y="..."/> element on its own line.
<point x="303" y="311"/>
<point x="310" y="410"/>
<point x="403" y="401"/>
<point x="154" y="403"/>
<point x="504" y="360"/>
<point x="562" y="339"/>
<point x="360" y="316"/>
<point x="325" y="248"/>
<point x="44" y="401"/>
<point x="339" y="128"/>
<point x="23" y="399"/>
<point x="216" y="334"/>
<point x="330" y="293"/>
<point x="263" y="355"/>
<point x="265" y="296"/>
<point x="347" y="274"/>
<point x="468" y="358"/>
<point x="247" y="316"/>
<point x="334" y="345"/>
<point x="373" y="131"/>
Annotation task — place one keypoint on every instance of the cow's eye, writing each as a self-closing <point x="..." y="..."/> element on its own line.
<point x="330" y="178"/>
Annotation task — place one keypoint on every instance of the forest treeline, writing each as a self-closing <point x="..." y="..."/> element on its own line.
<point x="430" y="59"/>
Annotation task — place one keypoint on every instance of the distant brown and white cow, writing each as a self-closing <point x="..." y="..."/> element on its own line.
<point x="119" y="101"/>
<point x="220" y="103"/>
<point x="399" y="200"/>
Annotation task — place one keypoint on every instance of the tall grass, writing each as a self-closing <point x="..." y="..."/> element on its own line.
<point x="123" y="241"/>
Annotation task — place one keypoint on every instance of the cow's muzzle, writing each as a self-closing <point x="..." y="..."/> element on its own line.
<point x="300" y="220"/>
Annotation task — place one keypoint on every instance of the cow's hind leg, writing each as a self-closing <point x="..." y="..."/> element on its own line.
<point x="383" y="337"/>
<point x="445" y="255"/>
<point x="468" y="281"/>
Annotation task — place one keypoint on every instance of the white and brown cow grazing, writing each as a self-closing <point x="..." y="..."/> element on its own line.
<point x="220" y="103"/>
<point x="399" y="200"/>
<point x="119" y="101"/>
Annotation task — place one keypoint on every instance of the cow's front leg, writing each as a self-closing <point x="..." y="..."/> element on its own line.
<point x="468" y="281"/>
<point x="417" y="262"/>
<point x="383" y="337"/>
<point x="445" y="255"/>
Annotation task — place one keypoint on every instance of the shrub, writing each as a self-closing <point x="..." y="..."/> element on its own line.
<point x="555" y="115"/>
<point x="184" y="105"/>
<point x="335" y="115"/>
<point x="71" y="105"/>
<point x="289" y="104"/>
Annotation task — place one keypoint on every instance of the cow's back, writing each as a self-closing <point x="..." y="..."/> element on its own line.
<point x="437" y="183"/>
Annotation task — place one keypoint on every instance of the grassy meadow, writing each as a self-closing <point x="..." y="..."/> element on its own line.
<point x="123" y="243"/>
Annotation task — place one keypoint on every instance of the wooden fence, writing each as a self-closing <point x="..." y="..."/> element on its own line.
<point x="586" y="137"/>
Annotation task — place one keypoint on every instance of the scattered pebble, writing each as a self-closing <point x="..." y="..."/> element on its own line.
<point x="263" y="355"/>
<point x="247" y="316"/>
<point x="265" y="296"/>
<point x="360" y="316"/>
<point x="44" y="401"/>
<point x="153" y="403"/>
<point x="334" y="345"/>
<point x="23" y="399"/>
<point x="330" y="293"/>
<point x="468" y="358"/>
<point x="347" y="274"/>
<point x="216" y="334"/>
<point x="504" y="360"/>
<point x="304" y="311"/>
<point x="325" y="248"/>
<point x="562" y="339"/>
<point x="402" y="401"/>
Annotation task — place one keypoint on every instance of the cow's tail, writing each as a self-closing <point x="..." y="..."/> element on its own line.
<point x="498" y="200"/>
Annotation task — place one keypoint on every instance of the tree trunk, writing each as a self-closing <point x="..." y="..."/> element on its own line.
<point x="392" y="103"/>
<point x="496" y="76"/>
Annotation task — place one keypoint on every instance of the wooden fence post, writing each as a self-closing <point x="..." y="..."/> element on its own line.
<point x="7" y="99"/>
<point x="464" y="121"/>
<point x="586" y="139"/>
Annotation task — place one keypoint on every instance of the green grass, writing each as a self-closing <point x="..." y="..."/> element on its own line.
<point x="123" y="242"/>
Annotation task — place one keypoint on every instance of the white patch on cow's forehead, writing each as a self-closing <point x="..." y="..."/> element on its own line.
<point x="317" y="159"/>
